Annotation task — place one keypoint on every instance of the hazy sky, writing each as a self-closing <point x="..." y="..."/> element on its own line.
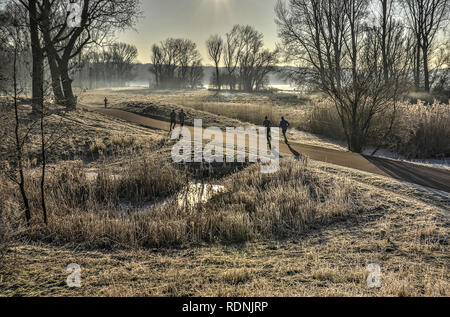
<point x="197" y="20"/>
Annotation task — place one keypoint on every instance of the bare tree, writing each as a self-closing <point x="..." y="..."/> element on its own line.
<point x="110" y="65"/>
<point x="335" y="47"/>
<point x="157" y="64"/>
<point x="123" y="56"/>
<point x="232" y="51"/>
<point x="246" y="61"/>
<point x="195" y="75"/>
<point x="176" y="63"/>
<point x="12" y="42"/>
<point x="426" y="18"/>
<point x="441" y="77"/>
<point x="38" y="57"/>
<point x="63" y="43"/>
<point x="266" y="62"/>
<point x="393" y="37"/>
<point x="215" y="49"/>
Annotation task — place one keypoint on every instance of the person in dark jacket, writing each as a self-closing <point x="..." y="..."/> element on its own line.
<point x="182" y="116"/>
<point x="106" y="102"/>
<point x="173" y="120"/>
<point x="284" y="125"/>
<point x="267" y="124"/>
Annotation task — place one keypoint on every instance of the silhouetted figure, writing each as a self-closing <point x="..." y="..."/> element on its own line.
<point x="106" y="102"/>
<point x="173" y="120"/>
<point x="182" y="116"/>
<point x="284" y="125"/>
<point x="267" y="124"/>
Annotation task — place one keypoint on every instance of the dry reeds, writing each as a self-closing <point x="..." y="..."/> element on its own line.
<point x="419" y="131"/>
<point x="252" y="206"/>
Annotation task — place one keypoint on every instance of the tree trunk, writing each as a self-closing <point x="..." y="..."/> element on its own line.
<point x="19" y="148"/>
<point x="56" y="81"/>
<point x="355" y="143"/>
<point x="69" y="99"/>
<point x="384" y="40"/>
<point x="426" y="71"/>
<point x="355" y="136"/>
<point x="38" y="59"/>
<point x="219" y="84"/>
<point x="52" y="55"/>
<point x="417" y="70"/>
<point x="44" y="165"/>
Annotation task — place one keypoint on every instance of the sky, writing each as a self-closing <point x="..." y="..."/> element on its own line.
<point x="197" y="20"/>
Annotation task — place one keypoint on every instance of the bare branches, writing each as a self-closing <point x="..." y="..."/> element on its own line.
<point x="215" y="47"/>
<point x="176" y="64"/>
<point x="345" y="57"/>
<point x="247" y="63"/>
<point x="426" y="18"/>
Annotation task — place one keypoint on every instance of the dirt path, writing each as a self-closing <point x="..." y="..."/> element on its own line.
<point x="412" y="173"/>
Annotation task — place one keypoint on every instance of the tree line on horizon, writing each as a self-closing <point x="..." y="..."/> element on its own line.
<point x="176" y="63"/>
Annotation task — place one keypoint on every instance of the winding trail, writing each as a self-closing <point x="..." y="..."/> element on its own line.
<point x="421" y="175"/>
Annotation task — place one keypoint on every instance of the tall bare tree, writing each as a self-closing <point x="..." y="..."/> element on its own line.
<point x="215" y="49"/>
<point x="246" y="60"/>
<point x="12" y="41"/>
<point x="63" y="43"/>
<point x="38" y="55"/>
<point x="426" y="18"/>
<point x="336" y="48"/>
<point x="176" y="63"/>
<point x="232" y="51"/>
<point x="112" y="65"/>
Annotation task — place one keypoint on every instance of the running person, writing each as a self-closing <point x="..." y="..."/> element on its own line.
<point x="284" y="125"/>
<point x="267" y="124"/>
<point x="173" y="120"/>
<point x="182" y="116"/>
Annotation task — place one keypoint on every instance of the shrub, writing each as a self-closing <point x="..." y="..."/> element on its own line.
<point x="419" y="130"/>
<point x="422" y="131"/>
<point x="253" y="206"/>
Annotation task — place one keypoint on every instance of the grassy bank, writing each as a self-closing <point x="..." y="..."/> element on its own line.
<point x="252" y="207"/>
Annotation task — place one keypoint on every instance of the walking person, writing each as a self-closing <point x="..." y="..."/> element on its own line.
<point x="284" y="125"/>
<point x="173" y="120"/>
<point x="106" y="103"/>
<point x="181" y="117"/>
<point x="267" y="124"/>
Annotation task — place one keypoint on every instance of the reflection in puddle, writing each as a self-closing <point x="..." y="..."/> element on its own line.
<point x="194" y="194"/>
<point x="92" y="176"/>
<point x="198" y="193"/>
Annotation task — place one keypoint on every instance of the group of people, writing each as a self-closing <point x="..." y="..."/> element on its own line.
<point x="173" y="119"/>
<point x="284" y="125"/>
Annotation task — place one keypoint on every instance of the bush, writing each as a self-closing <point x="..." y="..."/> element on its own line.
<point x="253" y="206"/>
<point x="419" y="130"/>
<point x="324" y="120"/>
<point x="422" y="131"/>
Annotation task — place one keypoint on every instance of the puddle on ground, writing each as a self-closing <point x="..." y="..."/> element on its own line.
<point x="195" y="193"/>
<point x="198" y="193"/>
<point x="92" y="176"/>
